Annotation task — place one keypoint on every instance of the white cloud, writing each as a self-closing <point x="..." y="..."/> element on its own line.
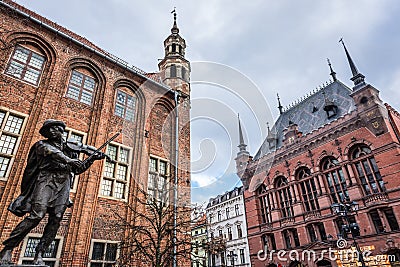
<point x="202" y="180"/>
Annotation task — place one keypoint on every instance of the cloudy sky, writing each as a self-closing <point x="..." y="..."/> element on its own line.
<point x="242" y="54"/>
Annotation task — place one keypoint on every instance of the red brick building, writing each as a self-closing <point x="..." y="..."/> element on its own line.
<point x="47" y="71"/>
<point x="336" y="145"/>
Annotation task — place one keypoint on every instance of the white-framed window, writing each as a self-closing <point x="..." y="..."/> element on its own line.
<point x="103" y="253"/>
<point x="158" y="181"/>
<point x="52" y="255"/>
<point x="125" y="106"/>
<point x="79" y="137"/>
<point x="116" y="173"/>
<point x="11" y="128"/>
<point x="81" y="87"/>
<point x="237" y="209"/>
<point x="26" y="65"/>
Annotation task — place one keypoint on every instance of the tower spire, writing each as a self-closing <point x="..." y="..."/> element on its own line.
<point x="358" y="78"/>
<point x="333" y="74"/>
<point x="242" y="146"/>
<point x="174" y="29"/>
<point x="279" y="104"/>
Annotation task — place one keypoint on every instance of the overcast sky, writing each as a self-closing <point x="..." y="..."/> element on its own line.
<point x="267" y="47"/>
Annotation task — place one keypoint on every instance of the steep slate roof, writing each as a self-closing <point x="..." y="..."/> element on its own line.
<point x="302" y="113"/>
<point x="226" y="196"/>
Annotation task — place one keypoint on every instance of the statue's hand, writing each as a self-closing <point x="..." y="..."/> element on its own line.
<point x="99" y="155"/>
<point x="76" y="163"/>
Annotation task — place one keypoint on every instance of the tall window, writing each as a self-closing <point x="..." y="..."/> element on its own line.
<point x="242" y="258"/>
<point x="285" y="196"/>
<point x="81" y="87"/>
<point x="391" y="219"/>
<point x="227" y="212"/>
<point x="223" y="258"/>
<point x="158" y="186"/>
<point x="10" y="134"/>
<point x="115" y="176"/>
<point x="125" y="106"/>
<point x="291" y="238"/>
<point x="265" y="204"/>
<point x="377" y="221"/>
<point x="26" y="65"/>
<point x="314" y="229"/>
<point x="237" y="209"/>
<point x="367" y="170"/>
<point x="104" y="254"/>
<point x="268" y="241"/>
<point x="229" y="233"/>
<point x="50" y="257"/>
<point x="70" y="134"/>
<point x="311" y="233"/>
<point x="239" y="231"/>
<point x="219" y="216"/>
<point x="376" y="218"/>
<point x="173" y="71"/>
<point x="309" y="191"/>
<point x="336" y="181"/>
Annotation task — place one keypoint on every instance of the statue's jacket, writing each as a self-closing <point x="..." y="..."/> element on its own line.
<point x="47" y="177"/>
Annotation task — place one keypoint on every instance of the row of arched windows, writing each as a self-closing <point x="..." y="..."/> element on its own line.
<point x="334" y="176"/>
<point x="29" y="61"/>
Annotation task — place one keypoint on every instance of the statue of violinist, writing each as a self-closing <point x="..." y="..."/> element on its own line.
<point x="45" y="188"/>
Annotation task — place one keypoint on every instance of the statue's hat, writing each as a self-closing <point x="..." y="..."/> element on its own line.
<point x="48" y="123"/>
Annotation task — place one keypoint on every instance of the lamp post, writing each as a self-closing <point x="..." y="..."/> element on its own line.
<point x="233" y="257"/>
<point x="343" y="210"/>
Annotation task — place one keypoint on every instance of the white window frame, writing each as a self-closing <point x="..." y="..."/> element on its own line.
<point x="18" y="136"/>
<point x="33" y="235"/>
<point x="114" y="179"/>
<point x="25" y="65"/>
<point x="104" y="242"/>
<point x="167" y="175"/>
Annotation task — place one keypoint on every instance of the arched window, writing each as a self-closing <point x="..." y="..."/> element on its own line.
<point x="81" y="86"/>
<point x="367" y="170"/>
<point x="309" y="191"/>
<point x="266" y="204"/>
<point x="285" y="196"/>
<point x="335" y="178"/>
<point x="26" y="63"/>
<point x="125" y="105"/>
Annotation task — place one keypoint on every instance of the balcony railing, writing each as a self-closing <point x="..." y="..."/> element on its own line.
<point x="375" y="198"/>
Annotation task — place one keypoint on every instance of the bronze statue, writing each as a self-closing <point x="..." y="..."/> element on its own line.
<point x="45" y="188"/>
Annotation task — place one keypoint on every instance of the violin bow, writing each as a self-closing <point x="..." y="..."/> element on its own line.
<point x="102" y="146"/>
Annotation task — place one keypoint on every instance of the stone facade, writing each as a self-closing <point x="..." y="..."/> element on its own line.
<point x="227" y="222"/>
<point x="338" y="144"/>
<point x="48" y="71"/>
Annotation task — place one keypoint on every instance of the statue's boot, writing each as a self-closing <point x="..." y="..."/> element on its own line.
<point x="5" y="256"/>
<point x="38" y="260"/>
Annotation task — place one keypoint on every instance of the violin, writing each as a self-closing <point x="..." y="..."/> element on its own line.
<point x="78" y="147"/>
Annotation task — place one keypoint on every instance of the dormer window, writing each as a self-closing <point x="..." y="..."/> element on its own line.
<point x="330" y="108"/>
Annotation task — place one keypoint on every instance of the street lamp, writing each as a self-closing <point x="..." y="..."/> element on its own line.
<point x="343" y="210"/>
<point x="233" y="257"/>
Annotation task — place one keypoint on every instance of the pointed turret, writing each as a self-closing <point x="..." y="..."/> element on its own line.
<point x="242" y="158"/>
<point x="279" y="105"/>
<point x="358" y="78"/>
<point x="333" y="73"/>
<point x="242" y="146"/>
<point x="174" y="67"/>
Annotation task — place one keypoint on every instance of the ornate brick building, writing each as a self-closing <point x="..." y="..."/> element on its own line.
<point x="47" y="71"/>
<point x="337" y="145"/>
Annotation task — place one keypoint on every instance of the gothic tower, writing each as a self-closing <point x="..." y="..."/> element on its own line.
<point x="174" y="67"/>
